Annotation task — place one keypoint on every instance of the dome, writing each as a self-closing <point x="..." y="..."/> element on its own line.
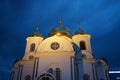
<point x="36" y="33"/>
<point x="60" y="30"/>
<point x="102" y="58"/>
<point x="79" y="31"/>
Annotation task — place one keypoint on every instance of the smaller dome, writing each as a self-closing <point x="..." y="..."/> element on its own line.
<point x="36" y="33"/>
<point x="79" y="31"/>
<point x="102" y="58"/>
<point x="60" y="30"/>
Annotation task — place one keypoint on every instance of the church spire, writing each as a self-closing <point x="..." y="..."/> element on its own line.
<point x="60" y="19"/>
<point x="79" y="31"/>
<point x="78" y="24"/>
<point x="36" y="32"/>
<point x="37" y="29"/>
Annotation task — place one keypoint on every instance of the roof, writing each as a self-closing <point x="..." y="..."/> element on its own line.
<point x="36" y="33"/>
<point x="60" y="29"/>
<point x="79" y="31"/>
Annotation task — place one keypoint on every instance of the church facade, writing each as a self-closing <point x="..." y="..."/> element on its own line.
<point x="60" y="56"/>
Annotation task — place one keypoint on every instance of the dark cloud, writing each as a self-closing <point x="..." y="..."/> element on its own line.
<point x="108" y="45"/>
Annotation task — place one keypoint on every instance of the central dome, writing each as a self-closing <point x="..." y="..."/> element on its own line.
<point x="60" y="30"/>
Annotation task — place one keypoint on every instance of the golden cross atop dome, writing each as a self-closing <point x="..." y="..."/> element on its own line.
<point x="60" y="19"/>
<point x="79" y="24"/>
<point x="37" y="26"/>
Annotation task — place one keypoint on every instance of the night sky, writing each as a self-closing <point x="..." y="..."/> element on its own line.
<point x="18" y="19"/>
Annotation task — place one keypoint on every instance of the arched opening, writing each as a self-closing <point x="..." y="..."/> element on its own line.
<point x="82" y="45"/>
<point x="32" y="48"/>
<point x="58" y="74"/>
<point x="50" y="71"/>
<point x="46" y="76"/>
<point x="86" y="77"/>
<point x="27" y="77"/>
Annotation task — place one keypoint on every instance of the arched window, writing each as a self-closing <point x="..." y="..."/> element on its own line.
<point x="46" y="77"/>
<point x="32" y="48"/>
<point x="27" y="77"/>
<point x="58" y="74"/>
<point x="51" y="70"/>
<point x="86" y="77"/>
<point x="82" y="45"/>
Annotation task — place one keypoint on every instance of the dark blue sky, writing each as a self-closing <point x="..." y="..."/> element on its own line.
<point x="18" y="19"/>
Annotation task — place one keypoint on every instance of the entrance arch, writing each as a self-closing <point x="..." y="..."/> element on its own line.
<point x="46" y="76"/>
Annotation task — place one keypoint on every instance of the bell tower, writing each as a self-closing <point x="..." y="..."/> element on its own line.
<point x="33" y="41"/>
<point x="83" y="41"/>
<point x="86" y="63"/>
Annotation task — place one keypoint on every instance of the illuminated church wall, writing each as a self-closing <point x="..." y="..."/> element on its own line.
<point x="60" y="56"/>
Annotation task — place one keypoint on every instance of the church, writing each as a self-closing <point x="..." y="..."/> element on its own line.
<point x="60" y="56"/>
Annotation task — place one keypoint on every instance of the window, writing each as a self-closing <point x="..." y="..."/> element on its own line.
<point x="27" y="77"/>
<point x="55" y="45"/>
<point x="99" y="62"/>
<point x="32" y="48"/>
<point x="82" y="45"/>
<point x="83" y="55"/>
<point x="86" y="77"/>
<point x="51" y="70"/>
<point x="30" y="57"/>
<point x="58" y="74"/>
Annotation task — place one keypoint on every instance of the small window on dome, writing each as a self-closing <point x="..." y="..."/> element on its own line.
<point x="82" y="45"/>
<point x="32" y="48"/>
